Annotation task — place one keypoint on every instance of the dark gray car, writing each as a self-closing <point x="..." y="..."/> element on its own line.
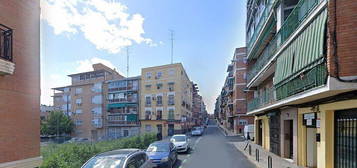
<point x="123" y="158"/>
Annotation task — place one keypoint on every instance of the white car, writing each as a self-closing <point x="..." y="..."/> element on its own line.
<point x="181" y="142"/>
<point x="197" y="131"/>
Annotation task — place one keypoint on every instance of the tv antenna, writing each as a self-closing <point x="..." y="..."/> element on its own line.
<point x="172" y="45"/>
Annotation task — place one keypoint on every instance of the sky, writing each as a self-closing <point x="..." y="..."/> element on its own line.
<point x="77" y="33"/>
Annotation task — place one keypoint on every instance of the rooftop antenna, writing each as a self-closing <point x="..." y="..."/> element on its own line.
<point x="172" y="45"/>
<point x="127" y="61"/>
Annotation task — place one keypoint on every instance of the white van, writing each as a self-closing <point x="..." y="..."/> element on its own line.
<point x="249" y="129"/>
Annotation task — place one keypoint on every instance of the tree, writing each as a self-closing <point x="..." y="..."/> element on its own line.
<point x="57" y="124"/>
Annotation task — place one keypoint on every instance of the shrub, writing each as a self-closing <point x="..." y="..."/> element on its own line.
<point x="75" y="155"/>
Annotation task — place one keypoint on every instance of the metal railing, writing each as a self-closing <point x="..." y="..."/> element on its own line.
<point x="299" y="13"/>
<point x="263" y="19"/>
<point x="267" y="97"/>
<point x="5" y="43"/>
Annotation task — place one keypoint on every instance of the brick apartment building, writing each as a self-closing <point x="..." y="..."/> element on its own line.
<point x="199" y="112"/>
<point x="122" y="105"/>
<point x="166" y="99"/>
<point x="20" y="83"/>
<point x="84" y="101"/>
<point x="302" y="80"/>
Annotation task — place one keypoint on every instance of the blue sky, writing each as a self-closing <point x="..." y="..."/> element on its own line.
<point x="78" y="33"/>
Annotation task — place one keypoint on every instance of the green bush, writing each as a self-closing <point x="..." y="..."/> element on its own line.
<point x="75" y="155"/>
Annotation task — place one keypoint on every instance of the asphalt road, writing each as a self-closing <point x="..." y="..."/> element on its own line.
<point x="213" y="150"/>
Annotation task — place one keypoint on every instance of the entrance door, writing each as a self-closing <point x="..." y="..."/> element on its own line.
<point x="288" y="139"/>
<point x="346" y="138"/>
<point x="126" y="133"/>
<point x="260" y="133"/>
<point x="159" y="128"/>
<point x="171" y="129"/>
<point x="274" y="131"/>
<point x="311" y="147"/>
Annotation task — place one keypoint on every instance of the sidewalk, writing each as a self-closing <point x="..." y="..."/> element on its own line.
<point x="261" y="157"/>
<point x="225" y="131"/>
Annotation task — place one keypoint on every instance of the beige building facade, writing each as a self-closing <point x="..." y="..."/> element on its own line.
<point x="84" y="101"/>
<point x="166" y="100"/>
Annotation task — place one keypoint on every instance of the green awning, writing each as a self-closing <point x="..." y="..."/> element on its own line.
<point x="132" y="117"/>
<point x="304" y="53"/>
<point x="119" y="105"/>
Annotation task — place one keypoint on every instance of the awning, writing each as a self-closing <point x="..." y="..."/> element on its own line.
<point x="304" y="53"/>
<point x="119" y="105"/>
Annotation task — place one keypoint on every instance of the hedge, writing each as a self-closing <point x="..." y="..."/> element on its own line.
<point x="74" y="155"/>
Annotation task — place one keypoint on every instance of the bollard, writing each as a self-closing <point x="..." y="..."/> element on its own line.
<point x="257" y="155"/>
<point x="250" y="150"/>
<point x="270" y="162"/>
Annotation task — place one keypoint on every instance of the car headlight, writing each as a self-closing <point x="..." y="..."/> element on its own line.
<point x="165" y="159"/>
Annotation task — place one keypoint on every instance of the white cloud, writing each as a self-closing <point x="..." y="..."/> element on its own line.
<point x="105" y="24"/>
<point x="86" y="65"/>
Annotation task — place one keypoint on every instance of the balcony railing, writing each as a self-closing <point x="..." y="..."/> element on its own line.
<point x="122" y="123"/>
<point x="123" y="100"/>
<point x="299" y="13"/>
<point x="5" y="43"/>
<point x="263" y="19"/>
<point x="267" y="97"/>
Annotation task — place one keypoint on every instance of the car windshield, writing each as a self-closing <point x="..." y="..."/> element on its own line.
<point x="105" y="162"/>
<point x="179" y="138"/>
<point x="158" y="148"/>
<point x="196" y="128"/>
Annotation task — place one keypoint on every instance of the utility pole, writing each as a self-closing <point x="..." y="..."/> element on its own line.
<point x="172" y="45"/>
<point x="127" y="61"/>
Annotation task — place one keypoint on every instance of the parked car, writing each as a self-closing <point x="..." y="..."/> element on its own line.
<point x="197" y="131"/>
<point x="77" y="140"/>
<point x="123" y="158"/>
<point x="181" y="142"/>
<point x="162" y="154"/>
<point x="249" y="130"/>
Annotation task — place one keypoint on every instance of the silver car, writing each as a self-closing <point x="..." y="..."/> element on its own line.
<point x="123" y="158"/>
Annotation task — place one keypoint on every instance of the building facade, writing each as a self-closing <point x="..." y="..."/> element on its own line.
<point x="240" y="117"/>
<point x="122" y="105"/>
<point x="301" y="79"/>
<point x="20" y="83"/>
<point x="166" y="100"/>
<point x="84" y="101"/>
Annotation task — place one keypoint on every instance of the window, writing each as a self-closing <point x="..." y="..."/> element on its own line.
<point x="171" y="114"/>
<point x="66" y="98"/>
<point x="148" y="101"/>
<point x="78" y="122"/>
<point x="79" y="90"/>
<point x="97" y="99"/>
<point x="159" y="100"/>
<point x="159" y="75"/>
<point x="171" y="72"/>
<point x="79" y="111"/>
<point x="66" y="90"/>
<point x="97" y="111"/>
<point x="159" y="86"/>
<point x="171" y="100"/>
<point x="245" y="76"/>
<point x="148" y="75"/>
<point x="148" y="87"/>
<point x="171" y="86"/>
<point x="245" y="60"/>
<point x="97" y="88"/>
<point x="158" y="114"/>
<point x="243" y="122"/>
<point x="147" y="115"/>
<point x="148" y="128"/>
<point x="79" y="102"/>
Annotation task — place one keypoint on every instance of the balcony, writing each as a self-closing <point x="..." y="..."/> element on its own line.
<point x="267" y="97"/>
<point x="122" y="123"/>
<point x="123" y="100"/>
<point x="265" y="16"/>
<point x="7" y="67"/>
<point x="290" y="25"/>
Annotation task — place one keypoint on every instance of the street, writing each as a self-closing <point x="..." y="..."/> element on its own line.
<point x="213" y="150"/>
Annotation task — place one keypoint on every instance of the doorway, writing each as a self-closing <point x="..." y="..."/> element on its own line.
<point x="288" y="139"/>
<point x="260" y="133"/>
<point x="126" y="133"/>
<point x="311" y="148"/>
<point x="171" y="129"/>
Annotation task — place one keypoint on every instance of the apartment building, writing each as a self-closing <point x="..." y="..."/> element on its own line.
<point x="20" y="83"/>
<point x="198" y="107"/>
<point x="239" y="69"/>
<point x="45" y="110"/>
<point x="84" y="101"/>
<point x="122" y="105"/>
<point x="301" y="79"/>
<point x="166" y="99"/>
